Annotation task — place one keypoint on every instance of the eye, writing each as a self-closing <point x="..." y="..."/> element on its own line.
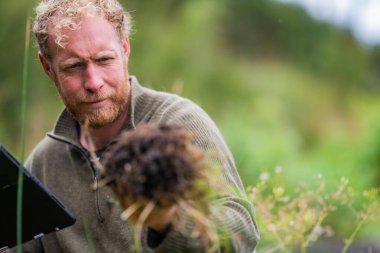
<point x="104" y="59"/>
<point x="73" y="66"/>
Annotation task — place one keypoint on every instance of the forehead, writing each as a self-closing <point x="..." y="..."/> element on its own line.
<point x="87" y="34"/>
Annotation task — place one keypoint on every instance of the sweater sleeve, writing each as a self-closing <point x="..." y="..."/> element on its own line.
<point x="237" y="212"/>
<point x="33" y="246"/>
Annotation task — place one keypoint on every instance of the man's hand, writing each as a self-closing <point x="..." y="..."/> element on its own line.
<point x="148" y="213"/>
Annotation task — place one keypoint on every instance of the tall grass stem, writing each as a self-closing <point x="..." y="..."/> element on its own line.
<point x="350" y="240"/>
<point x="23" y="127"/>
<point x="89" y="238"/>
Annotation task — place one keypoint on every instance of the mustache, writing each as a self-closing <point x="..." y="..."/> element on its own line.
<point x="94" y="97"/>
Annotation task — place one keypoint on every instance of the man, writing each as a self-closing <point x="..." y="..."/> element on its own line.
<point x="84" y="49"/>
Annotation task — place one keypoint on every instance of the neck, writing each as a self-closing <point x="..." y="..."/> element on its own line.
<point x="101" y="136"/>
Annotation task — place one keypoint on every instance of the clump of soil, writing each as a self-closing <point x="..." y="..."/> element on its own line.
<point x="160" y="163"/>
<point x="155" y="162"/>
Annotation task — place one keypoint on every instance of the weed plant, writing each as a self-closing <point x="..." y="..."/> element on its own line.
<point x="292" y="220"/>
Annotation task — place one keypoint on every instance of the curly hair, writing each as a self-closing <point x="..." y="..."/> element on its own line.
<point x="154" y="162"/>
<point x="70" y="13"/>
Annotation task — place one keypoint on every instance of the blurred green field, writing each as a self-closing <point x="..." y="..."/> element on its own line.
<point x="284" y="89"/>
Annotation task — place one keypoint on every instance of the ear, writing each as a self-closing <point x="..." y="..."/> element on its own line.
<point x="127" y="48"/>
<point x="47" y="67"/>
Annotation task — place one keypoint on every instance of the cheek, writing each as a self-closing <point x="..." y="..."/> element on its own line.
<point x="115" y="78"/>
<point x="67" y="82"/>
<point x="117" y="73"/>
<point x="69" y="85"/>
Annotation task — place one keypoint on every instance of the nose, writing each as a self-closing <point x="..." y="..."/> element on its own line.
<point x="93" y="80"/>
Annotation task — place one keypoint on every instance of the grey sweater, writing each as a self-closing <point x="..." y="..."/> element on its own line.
<point x="65" y="167"/>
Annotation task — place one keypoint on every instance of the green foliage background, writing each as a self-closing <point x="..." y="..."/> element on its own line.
<point x="284" y="89"/>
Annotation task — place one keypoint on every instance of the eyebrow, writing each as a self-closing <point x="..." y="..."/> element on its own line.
<point x="105" y="53"/>
<point x="68" y="62"/>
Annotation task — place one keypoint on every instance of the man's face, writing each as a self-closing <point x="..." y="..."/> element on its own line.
<point x="90" y="72"/>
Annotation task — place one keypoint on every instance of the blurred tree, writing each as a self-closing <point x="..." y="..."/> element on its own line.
<point x="268" y="29"/>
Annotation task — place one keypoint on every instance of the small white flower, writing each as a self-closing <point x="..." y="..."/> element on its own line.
<point x="294" y="224"/>
<point x="278" y="169"/>
<point x="283" y="199"/>
<point x="318" y="230"/>
<point x="271" y="227"/>
<point x="344" y="180"/>
<point x="329" y="232"/>
<point x="264" y="176"/>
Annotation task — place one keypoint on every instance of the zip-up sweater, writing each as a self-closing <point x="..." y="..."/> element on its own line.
<point x="66" y="169"/>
